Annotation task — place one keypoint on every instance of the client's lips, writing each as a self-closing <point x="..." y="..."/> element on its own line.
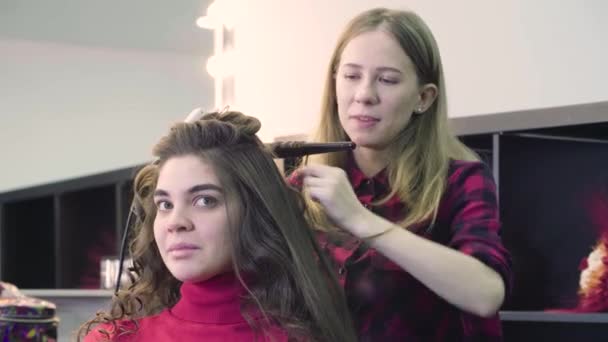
<point x="182" y="246"/>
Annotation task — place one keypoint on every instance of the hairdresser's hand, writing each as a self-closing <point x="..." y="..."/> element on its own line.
<point x="330" y="186"/>
<point x="194" y="115"/>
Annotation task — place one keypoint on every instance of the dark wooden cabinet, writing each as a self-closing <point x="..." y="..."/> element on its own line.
<point x="551" y="168"/>
<point x="29" y="242"/>
<point x="52" y="236"/>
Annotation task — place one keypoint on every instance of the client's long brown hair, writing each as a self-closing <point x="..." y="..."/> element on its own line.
<point x="274" y="252"/>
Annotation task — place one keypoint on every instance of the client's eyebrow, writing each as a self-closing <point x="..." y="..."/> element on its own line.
<point x="192" y="190"/>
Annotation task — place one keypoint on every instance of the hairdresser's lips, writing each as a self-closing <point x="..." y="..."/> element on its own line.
<point x="364" y="121"/>
<point x="182" y="250"/>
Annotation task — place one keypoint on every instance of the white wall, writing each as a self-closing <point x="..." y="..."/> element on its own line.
<point x="498" y="56"/>
<point x="68" y="111"/>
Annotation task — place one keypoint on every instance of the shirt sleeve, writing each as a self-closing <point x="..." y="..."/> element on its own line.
<point x="475" y="224"/>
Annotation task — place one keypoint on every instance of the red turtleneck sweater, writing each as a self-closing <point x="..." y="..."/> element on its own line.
<point x="207" y="311"/>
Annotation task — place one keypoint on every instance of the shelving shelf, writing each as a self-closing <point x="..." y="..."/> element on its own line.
<point x="563" y="317"/>
<point x="67" y="293"/>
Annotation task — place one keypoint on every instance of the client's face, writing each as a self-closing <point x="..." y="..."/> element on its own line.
<point x="191" y="224"/>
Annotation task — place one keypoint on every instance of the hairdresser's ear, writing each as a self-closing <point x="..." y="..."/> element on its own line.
<point x="426" y="97"/>
<point x="194" y="115"/>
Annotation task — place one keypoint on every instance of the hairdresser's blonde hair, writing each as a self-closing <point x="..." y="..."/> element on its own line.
<point x="422" y="151"/>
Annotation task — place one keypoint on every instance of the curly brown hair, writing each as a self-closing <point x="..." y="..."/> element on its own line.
<point x="274" y="252"/>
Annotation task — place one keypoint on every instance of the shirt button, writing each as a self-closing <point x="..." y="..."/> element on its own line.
<point x="341" y="270"/>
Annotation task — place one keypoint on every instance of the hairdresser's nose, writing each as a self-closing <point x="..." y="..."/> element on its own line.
<point x="366" y="92"/>
<point x="179" y="220"/>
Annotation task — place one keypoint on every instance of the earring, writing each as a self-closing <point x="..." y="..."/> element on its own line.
<point x="420" y="110"/>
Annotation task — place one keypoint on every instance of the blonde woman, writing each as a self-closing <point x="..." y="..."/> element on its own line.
<point x="417" y="246"/>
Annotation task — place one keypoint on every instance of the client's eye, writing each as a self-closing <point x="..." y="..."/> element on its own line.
<point x="164" y="205"/>
<point x="205" y="201"/>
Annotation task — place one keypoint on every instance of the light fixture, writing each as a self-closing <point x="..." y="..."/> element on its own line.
<point x="221" y="18"/>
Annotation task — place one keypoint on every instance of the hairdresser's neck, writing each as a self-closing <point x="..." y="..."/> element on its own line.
<point x="371" y="161"/>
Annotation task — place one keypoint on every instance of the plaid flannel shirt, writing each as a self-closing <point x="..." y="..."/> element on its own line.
<point x="386" y="302"/>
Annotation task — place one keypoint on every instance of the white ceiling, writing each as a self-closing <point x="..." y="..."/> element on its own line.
<point x="139" y="24"/>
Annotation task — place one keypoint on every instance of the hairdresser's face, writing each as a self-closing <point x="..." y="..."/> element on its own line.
<point x="191" y="225"/>
<point x="377" y="89"/>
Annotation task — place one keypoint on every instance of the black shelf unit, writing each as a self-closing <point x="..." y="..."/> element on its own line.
<point x="550" y="165"/>
<point x="29" y="237"/>
<point x="52" y="236"/>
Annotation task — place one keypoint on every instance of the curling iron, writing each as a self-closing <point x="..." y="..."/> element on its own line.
<point x="295" y="149"/>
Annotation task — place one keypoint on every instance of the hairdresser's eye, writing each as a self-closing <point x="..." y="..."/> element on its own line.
<point x="388" y="80"/>
<point x="164" y="205"/>
<point x="205" y="201"/>
<point x="351" y="76"/>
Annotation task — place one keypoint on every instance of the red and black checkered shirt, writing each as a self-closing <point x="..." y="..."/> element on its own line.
<point x="386" y="302"/>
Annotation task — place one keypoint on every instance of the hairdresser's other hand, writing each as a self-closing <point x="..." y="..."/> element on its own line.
<point x="195" y="115"/>
<point x="330" y="186"/>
